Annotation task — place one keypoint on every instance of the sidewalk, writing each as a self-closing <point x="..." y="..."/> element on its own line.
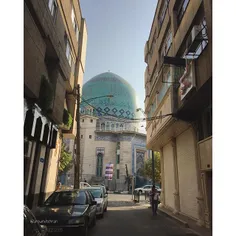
<point x="188" y="223"/>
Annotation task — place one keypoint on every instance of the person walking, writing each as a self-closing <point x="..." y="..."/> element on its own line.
<point x="154" y="200"/>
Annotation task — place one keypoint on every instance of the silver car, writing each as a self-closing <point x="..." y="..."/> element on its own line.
<point x="100" y="197"/>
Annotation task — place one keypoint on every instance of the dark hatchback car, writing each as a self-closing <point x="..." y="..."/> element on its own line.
<point x="68" y="211"/>
<point x="31" y="225"/>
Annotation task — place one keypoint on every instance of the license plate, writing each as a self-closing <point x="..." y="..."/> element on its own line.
<point x="55" y="230"/>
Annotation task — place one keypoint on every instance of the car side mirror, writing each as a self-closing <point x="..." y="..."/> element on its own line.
<point x="44" y="229"/>
<point x="94" y="203"/>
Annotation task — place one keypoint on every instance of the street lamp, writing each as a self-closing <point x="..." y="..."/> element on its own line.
<point x="77" y="163"/>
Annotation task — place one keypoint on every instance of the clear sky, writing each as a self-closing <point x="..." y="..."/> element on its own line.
<point x="117" y="33"/>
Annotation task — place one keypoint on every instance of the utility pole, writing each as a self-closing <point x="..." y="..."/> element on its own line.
<point x="153" y="169"/>
<point x="77" y="164"/>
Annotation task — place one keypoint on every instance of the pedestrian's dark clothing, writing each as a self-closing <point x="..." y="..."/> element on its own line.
<point x="154" y="206"/>
<point x="154" y="200"/>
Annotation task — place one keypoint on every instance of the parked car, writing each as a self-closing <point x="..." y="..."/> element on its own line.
<point x="104" y="192"/>
<point x="147" y="188"/>
<point x="32" y="226"/>
<point x="68" y="211"/>
<point x="100" y="198"/>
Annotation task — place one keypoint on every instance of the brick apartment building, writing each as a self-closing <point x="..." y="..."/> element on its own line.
<point x="55" y="41"/>
<point x="178" y="103"/>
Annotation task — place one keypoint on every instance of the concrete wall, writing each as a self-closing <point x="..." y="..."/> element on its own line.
<point x="40" y="169"/>
<point x="187" y="173"/>
<point x="53" y="168"/>
<point x="34" y="65"/>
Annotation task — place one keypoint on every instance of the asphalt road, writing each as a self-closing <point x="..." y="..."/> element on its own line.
<point x="125" y="218"/>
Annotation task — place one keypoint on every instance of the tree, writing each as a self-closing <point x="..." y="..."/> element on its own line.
<point x="128" y="178"/>
<point x="65" y="161"/>
<point x="147" y="170"/>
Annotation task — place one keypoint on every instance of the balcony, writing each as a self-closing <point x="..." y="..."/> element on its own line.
<point x="52" y="30"/>
<point x="205" y="153"/>
<point x="58" y="104"/>
<point x="71" y="130"/>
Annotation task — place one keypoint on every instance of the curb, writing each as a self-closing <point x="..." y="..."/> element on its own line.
<point x="182" y="222"/>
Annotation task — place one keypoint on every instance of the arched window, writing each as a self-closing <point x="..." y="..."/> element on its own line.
<point x="99" y="164"/>
<point x="117" y="126"/>
<point x="103" y="126"/>
<point x="108" y="126"/>
<point x="112" y="127"/>
<point x="121" y="126"/>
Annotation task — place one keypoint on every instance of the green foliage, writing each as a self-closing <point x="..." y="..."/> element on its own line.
<point x="147" y="171"/>
<point x="67" y="118"/>
<point x="46" y="94"/>
<point x="65" y="161"/>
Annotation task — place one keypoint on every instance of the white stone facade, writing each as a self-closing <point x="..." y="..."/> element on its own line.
<point x="93" y="139"/>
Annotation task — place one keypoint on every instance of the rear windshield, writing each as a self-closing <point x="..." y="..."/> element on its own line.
<point x="97" y="193"/>
<point x="66" y="198"/>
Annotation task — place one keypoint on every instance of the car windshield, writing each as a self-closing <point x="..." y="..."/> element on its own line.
<point x="66" y="198"/>
<point x="97" y="193"/>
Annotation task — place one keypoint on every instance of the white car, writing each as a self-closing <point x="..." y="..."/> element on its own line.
<point x="147" y="188"/>
<point x="100" y="198"/>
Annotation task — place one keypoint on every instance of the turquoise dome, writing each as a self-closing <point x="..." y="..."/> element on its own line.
<point x="124" y="102"/>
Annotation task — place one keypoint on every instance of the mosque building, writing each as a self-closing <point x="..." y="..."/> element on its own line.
<point x="111" y="132"/>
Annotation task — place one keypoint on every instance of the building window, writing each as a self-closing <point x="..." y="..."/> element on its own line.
<point x="117" y="174"/>
<point x="103" y="126"/>
<point x="121" y="126"/>
<point x="68" y="52"/>
<point x="163" y="13"/>
<point x="91" y="120"/>
<point x="117" y="126"/>
<point x="204" y="38"/>
<point x="118" y="159"/>
<point x="73" y="68"/>
<point x="166" y="45"/>
<point x="52" y="4"/>
<point x="82" y="120"/>
<point x="81" y="136"/>
<point x="90" y="136"/>
<point x="99" y="164"/>
<point x="112" y="127"/>
<point x="180" y="10"/>
<point x="74" y="23"/>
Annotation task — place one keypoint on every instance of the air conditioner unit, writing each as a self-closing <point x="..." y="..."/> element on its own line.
<point x="194" y="40"/>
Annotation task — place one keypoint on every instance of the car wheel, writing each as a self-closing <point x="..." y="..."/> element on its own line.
<point x="102" y="215"/>
<point x="84" y="230"/>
